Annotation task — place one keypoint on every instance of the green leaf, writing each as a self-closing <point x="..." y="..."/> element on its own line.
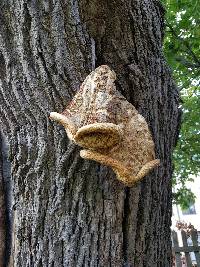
<point x="182" y="50"/>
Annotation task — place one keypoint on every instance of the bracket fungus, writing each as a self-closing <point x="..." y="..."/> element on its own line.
<point x="109" y="128"/>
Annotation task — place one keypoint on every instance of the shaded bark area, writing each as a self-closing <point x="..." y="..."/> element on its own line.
<point x="69" y="211"/>
<point x="5" y="205"/>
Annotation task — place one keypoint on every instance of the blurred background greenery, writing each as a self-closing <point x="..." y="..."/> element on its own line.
<point x="182" y="50"/>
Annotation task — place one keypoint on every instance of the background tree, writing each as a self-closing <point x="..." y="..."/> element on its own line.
<point x="182" y="48"/>
<point x="68" y="211"/>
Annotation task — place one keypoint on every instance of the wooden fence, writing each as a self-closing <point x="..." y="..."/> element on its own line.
<point x="187" y="255"/>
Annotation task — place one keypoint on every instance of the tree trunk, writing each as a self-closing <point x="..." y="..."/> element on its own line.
<point x="69" y="211"/>
<point x="2" y="209"/>
<point x="5" y="204"/>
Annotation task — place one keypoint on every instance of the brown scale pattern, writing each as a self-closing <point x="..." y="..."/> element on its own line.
<point x="110" y="129"/>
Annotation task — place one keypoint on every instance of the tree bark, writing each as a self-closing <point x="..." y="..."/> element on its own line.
<point x="2" y="209"/>
<point x="69" y="211"/>
<point x="5" y="204"/>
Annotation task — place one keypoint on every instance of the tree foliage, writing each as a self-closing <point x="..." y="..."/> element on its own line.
<point x="181" y="47"/>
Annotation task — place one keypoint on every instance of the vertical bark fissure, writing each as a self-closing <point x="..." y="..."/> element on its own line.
<point x="125" y="225"/>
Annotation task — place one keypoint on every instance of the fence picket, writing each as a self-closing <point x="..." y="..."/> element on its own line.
<point x="186" y="249"/>
<point x="194" y="237"/>
<point x="176" y="246"/>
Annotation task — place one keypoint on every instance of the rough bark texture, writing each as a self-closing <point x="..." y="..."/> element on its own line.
<point x="5" y="204"/>
<point x="69" y="211"/>
<point x="2" y="209"/>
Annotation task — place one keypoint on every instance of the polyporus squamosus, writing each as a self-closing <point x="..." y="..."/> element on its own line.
<point x="110" y="129"/>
